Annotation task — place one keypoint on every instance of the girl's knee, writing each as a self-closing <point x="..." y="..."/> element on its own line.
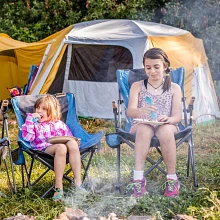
<point x="145" y="130"/>
<point x="165" y="132"/>
<point x="72" y="146"/>
<point x="61" y="149"/>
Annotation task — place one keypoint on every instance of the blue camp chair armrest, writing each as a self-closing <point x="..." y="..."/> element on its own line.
<point x="94" y="139"/>
<point x="183" y="133"/>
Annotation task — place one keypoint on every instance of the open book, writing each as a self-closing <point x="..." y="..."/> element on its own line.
<point x="144" y="121"/>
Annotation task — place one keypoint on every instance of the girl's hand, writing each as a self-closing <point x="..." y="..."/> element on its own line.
<point x="163" y="118"/>
<point x="147" y="109"/>
<point x="36" y="115"/>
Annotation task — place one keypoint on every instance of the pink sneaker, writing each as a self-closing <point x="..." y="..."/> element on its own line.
<point x="139" y="187"/>
<point x="172" y="188"/>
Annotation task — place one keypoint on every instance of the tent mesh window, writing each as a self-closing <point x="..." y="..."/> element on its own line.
<point x="98" y="63"/>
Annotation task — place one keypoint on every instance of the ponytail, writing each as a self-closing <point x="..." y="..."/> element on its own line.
<point x="167" y="82"/>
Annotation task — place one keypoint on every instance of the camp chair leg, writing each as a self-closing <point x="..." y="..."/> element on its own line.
<point x="24" y="168"/>
<point x="154" y="165"/>
<point x="188" y="161"/>
<point x="22" y="175"/>
<point x="191" y="149"/>
<point x="31" y="167"/>
<point x="118" y="185"/>
<point x="51" y="188"/>
<point x="86" y="168"/>
<point x="39" y="178"/>
<point x="9" y="181"/>
<point x="12" y="169"/>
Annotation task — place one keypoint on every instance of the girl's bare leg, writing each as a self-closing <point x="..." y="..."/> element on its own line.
<point x="59" y="151"/>
<point x="75" y="161"/>
<point x="144" y="133"/>
<point x="165" y="134"/>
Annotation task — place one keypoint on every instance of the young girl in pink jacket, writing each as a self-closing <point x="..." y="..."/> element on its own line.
<point x="44" y="124"/>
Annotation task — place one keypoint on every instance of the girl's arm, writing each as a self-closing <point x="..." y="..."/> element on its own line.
<point x="63" y="128"/>
<point x="133" y="111"/>
<point x="28" y="130"/>
<point x="176" y="114"/>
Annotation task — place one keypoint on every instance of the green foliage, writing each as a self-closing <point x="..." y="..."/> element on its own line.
<point x="29" y="204"/>
<point x="201" y="18"/>
<point x="37" y="20"/>
<point x="133" y="9"/>
<point x="202" y="204"/>
<point x="32" y="20"/>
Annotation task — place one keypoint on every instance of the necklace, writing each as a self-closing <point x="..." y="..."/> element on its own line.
<point x="155" y="87"/>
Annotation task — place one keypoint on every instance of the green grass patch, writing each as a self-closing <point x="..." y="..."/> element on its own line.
<point x="201" y="203"/>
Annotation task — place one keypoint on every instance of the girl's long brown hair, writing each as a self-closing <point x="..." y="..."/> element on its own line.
<point x="52" y="105"/>
<point x="157" y="53"/>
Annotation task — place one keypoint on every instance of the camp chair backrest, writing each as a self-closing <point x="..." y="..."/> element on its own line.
<point x="127" y="77"/>
<point x="26" y="105"/>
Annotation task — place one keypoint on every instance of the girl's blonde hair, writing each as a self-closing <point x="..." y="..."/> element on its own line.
<point x="52" y="105"/>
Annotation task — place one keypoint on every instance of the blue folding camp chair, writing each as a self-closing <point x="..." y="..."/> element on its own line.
<point x="88" y="145"/>
<point x="31" y="77"/>
<point x="114" y="140"/>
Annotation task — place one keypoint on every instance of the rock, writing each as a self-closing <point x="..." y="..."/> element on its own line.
<point x="72" y="214"/>
<point x="183" y="217"/>
<point x="62" y="216"/>
<point x="112" y="216"/>
<point x="19" y="216"/>
<point x="133" y="217"/>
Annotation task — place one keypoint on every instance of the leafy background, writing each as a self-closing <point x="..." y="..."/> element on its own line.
<point x="33" y="20"/>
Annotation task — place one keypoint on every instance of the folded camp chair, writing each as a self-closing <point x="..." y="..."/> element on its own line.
<point x="88" y="145"/>
<point x="114" y="140"/>
<point x="31" y="77"/>
<point x="5" y="148"/>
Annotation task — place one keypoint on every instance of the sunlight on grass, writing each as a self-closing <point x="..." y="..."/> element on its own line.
<point x="202" y="203"/>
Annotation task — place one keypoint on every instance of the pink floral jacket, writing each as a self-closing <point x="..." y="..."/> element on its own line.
<point x="37" y="133"/>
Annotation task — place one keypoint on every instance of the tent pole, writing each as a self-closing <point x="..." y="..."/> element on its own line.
<point x="43" y="61"/>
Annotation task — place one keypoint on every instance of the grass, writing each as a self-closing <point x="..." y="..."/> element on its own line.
<point x="201" y="203"/>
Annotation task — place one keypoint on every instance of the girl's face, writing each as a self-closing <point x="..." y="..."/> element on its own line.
<point x="154" y="68"/>
<point x="42" y="111"/>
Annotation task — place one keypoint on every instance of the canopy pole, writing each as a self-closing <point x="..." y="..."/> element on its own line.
<point x="43" y="61"/>
<point x="47" y="71"/>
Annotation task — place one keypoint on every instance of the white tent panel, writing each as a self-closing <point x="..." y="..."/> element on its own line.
<point x="120" y="29"/>
<point x="93" y="98"/>
<point x="205" y="104"/>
